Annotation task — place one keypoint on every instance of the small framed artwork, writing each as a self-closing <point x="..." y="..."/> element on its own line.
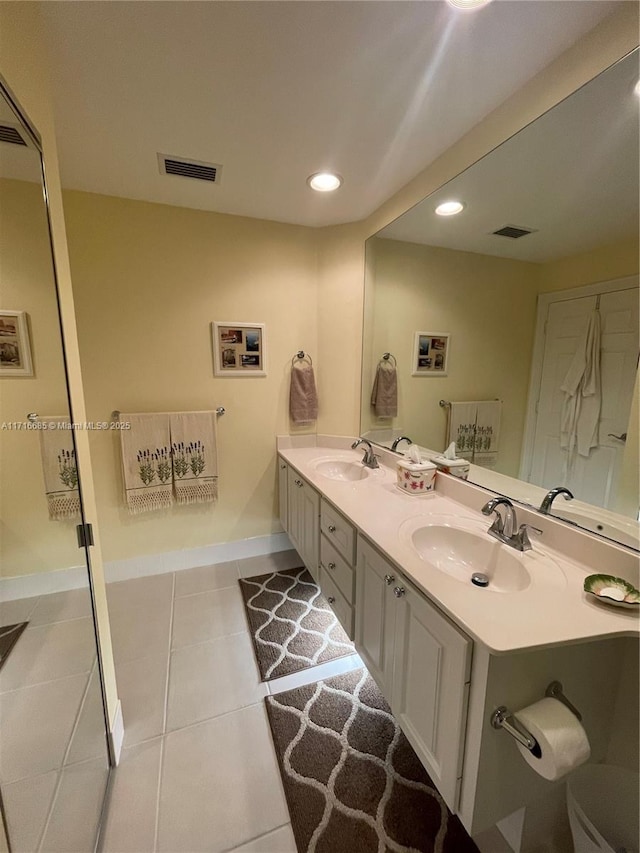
<point x="15" y="346"/>
<point x="239" y="349"/>
<point x="431" y="353"/>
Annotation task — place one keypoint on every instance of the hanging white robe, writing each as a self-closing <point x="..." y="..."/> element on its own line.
<point x="580" y="415"/>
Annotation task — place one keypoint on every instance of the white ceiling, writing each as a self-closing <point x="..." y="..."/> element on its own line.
<point x="572" y="175"/>
<point x="274" y="91"/>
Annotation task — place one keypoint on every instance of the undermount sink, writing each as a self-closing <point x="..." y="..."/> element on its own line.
<point x="461" y="550"/>
<point x="342" y="469"/>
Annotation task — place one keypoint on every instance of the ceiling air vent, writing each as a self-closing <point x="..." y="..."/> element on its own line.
<point x="11" y="134"/>
<point x="513" y="231"/>
<point x="196" y="169"/>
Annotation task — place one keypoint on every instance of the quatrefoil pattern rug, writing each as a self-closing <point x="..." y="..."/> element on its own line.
<point x="292" y="625"/>
<point x="352" y="780"/>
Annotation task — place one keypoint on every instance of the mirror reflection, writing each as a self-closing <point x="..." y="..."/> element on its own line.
<point x="53" y="750"/>
<point x="514" y="321"/>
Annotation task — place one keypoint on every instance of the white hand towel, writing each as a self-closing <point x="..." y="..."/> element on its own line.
<point x="488" y="416"/>
<point x="146" y="462"/>
<point x="462" y="428"/>
<point x="580" y="414"/>
<point x="194" y="456"/>
<point x="303" y="398"/>
<point x="60" y="468"/>
<point x="384" y="394"/>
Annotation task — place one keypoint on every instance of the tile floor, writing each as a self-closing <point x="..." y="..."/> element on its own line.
<point x="198" y="770"/>
<point x="53" y="753"/>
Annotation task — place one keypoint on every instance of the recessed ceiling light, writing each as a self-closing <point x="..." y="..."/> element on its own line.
<point x="449" y="208"/>
<point x="468" y="4"/>
<point x="324" y="182"/>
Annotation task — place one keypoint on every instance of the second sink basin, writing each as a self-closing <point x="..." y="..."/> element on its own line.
<point x="342" y="469"/>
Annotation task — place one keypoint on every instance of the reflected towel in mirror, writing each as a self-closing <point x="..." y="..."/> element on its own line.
<point x="384" y="394"/>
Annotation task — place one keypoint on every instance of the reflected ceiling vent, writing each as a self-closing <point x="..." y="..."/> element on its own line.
<point x="513" y="231"/>
<point x="196" y="169"/>
<point x="11" y="134"/>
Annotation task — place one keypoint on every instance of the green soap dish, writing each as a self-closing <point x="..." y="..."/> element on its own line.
<point x="612" y="590"/>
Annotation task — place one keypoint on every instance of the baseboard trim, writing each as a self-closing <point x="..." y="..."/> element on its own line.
<point x="29" y="586"/>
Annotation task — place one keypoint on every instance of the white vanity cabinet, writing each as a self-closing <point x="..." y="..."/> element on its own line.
<point x="422" y="663"/>
<point x="337" y="555"/>
<point x="302" y="516"/>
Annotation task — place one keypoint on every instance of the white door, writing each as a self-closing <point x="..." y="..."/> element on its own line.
<point x="431" y="674"/>
<point x="592" y="479"/>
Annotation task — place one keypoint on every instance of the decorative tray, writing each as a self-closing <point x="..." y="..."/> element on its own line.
<point x="612" y="590"/>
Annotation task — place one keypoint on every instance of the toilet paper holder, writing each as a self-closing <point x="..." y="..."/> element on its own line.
<point x="502" y="718"/>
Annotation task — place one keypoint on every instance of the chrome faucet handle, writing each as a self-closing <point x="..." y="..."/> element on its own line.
<point x="502" y="528"/>
<point x="522" y="536"/>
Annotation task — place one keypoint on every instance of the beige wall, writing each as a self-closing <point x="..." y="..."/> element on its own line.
<point x="148" y="281"/>
<point x="487" y="304"/>
<point x="605" y="263"/>
<point x="30" y="543"/>
<point x="24" y="67"/>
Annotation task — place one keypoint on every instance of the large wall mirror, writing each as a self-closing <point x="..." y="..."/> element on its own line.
<point x="54" y="762"/>
<point x="527" y="300"/>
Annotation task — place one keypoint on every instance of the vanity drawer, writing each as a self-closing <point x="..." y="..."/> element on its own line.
<point x="338" y="531"/>
<point x="337" y="602"/>
<point x="337" y="568"/>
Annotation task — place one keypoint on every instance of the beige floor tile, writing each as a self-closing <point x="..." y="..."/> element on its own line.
<point x="18" y="610"/>
<point x="136" y="635"/>
<point x="208" y="615"/>
<point x="26" y="805"/>
<point x="142" y="686"/>
<point x="279" y="841"/>
<point x="49" y="652"/>
<point x="148" y="595"/>
<point x="75" y="818"/>
<point x="220" y="784"/>
<point x="212" y="678"/>
<point x="37" y="723"/>
<point x="61" y="606"/>
<point x="89" y="738"/>
<point x="205" y="578"/>
<point x="278" y="562"/>
<point x="131" y="819"/>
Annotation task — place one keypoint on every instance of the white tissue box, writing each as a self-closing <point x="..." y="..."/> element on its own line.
<point x="457" y="467"/>
<point x="415" y="478"/>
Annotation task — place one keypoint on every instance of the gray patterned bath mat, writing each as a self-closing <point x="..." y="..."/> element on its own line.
<point x="351" y="779"/>
<point x="292" y="625"/>
<point x="9" y="636"/>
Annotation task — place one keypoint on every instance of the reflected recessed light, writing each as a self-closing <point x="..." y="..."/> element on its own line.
<point x="324" y="182"/>
<point x="449" y="208"/>
<point x="636" y="88"/>
<point x="468" y="4"/>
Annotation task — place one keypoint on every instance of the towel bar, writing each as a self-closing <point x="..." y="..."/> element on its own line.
<point x="219" y="411"/>
<point x="445" y="404"/>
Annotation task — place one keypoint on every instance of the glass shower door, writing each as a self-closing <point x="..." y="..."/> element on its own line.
<point x="54" y="762"/>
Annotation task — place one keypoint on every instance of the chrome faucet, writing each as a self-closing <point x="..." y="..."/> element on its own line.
<point x="505" y="529"/>
<point x="397" y="441"/>
<point x="545" y="506"/>
<point x="369" y="460"/>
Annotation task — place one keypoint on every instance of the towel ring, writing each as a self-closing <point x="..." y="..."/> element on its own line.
<point x="387" y="355"/>
<point x="301" y="355"/>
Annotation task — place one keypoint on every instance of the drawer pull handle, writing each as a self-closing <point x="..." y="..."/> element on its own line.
<point x="331" y="566"/>
<point x="389" y="579"/>
<point x="298" y="483"/>
<point x="331" y="599"/>
<point x="283" y="467"/>
<point x="399" y="591"/>
<point x="332" y="528"/>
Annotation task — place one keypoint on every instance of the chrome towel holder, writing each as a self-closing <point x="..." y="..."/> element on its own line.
<point x="387" y="355"/>
<point x="503" y="718"/>
<point x="301" y="355"/>
<point x="115" y="415"/>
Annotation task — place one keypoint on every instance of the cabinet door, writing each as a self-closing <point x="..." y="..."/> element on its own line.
<point x="283" y="490"/>
<point x="375" y="614"/>
<point x="310" y="529"/>
<point x="294" y="507"/>
<point x="431" y="671"/>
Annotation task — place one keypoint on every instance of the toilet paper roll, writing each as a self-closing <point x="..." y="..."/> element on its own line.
<point x="560" y="735"/>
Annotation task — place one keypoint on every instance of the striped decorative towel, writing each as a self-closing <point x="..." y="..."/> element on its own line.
<point x="195" y="457"/>
<point x="60" y="468"/>
<point x="146" y="462"/>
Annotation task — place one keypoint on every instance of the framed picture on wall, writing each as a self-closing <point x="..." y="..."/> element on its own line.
<point x="239" y="349"/>
<point x="431" y="353"/>
<point x="15" y="346"/>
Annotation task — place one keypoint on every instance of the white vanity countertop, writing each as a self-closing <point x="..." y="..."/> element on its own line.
<point x="552" y="610"/>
